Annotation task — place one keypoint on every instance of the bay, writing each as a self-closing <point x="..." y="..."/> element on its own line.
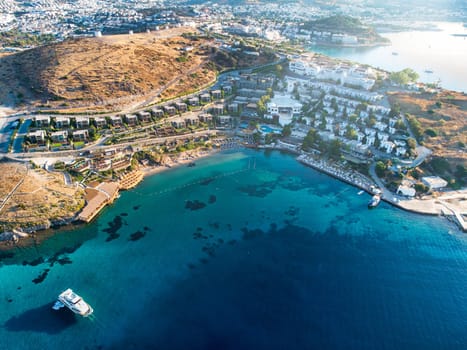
<point x="439" y="51"/>
<point x="248" y="249"/>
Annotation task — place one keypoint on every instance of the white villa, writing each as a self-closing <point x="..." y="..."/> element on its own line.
<point x="284" y="107"/>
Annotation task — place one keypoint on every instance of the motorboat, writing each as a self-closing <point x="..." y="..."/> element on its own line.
<point x="74" y="302"/>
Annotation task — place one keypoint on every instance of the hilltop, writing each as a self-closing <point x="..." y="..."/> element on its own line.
<point x="110" y="72"/>
<point x="347" y="25"/>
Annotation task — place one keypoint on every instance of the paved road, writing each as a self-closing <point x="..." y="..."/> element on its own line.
<point x="386" y="194"/>
<point x="135" y="144"/>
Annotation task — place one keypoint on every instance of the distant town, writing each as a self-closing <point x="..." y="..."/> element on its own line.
<point x="270" y="20"/>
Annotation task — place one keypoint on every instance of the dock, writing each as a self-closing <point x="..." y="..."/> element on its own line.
<point x="349" y="176"/>
<point x="459" y="218"/>
<point x="97" y="198"/>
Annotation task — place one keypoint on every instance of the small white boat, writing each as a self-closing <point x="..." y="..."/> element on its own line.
<point x="360" y="192"/>
<point x="374" y="201"/>
<point x="74" y="302"/>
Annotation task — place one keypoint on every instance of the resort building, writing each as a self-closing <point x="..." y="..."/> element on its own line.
<point x="284" y="107"/>
<point x="59" y="136"/>
<point x="42" y="121"/>
<point x="193" y="101"/>
<point x="170" y="110"/>
<point x="216" y="94"/>
<point x="131" y="119"/>
<point x="178" y="123"/>
<point x="82" y="122"/>
<point x="62" y="122"/>
<point x="434" y="182"/>
<point x="100" y="122"/>
<point x="37" y="136"/>
<point x="144" y="117"/>
<point x="191" y="120"/>
<point x="181" y="106"/>
<point x="205" y="98"/>
<point x="157" y="112"/>
<point x="80" y="135"/>
<point x="116" y="121"/>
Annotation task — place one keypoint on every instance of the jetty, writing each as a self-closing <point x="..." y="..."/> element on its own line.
<point x="349" y="176"/>
<point x="97" y="198"/>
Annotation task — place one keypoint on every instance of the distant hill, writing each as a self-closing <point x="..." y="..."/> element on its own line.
<point x="345" y="25"/>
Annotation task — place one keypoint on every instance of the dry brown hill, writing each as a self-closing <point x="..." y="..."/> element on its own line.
<point x="34" y="197"/>
<point x="110" y="71"/>
<point x="443" y="128"/>
<point x="443" y="119"/>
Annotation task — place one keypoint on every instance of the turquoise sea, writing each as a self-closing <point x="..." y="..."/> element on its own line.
<point x="246" y="250"/>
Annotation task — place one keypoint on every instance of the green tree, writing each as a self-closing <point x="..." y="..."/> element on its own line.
<point x="421" y="188"/>
<point x="279" y="71"/>
<point x="270" y="92"/>
<point x="404" y="76"/>
<point x="311" y="138"/>
<point x="415" y="126"/>
<point x="334" y="149"/>
<point x="261" y="108"/>
<point x="322" y="125"/>
<point x="256" y="137"/>
<point x="353" y="118"/>
<point x="400" y="125"/>
<point x="287" y="130"/>
<point x="380" y="168"/>
<point x="334" y="104"/>
<point x="351" y="133"/>
<point x="395" y="111"/>
<point x="411" y="143"/>
<point x="269" y="138"/>
<point x="371" y="121"/>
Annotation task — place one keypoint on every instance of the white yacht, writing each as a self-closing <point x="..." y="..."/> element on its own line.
<point x="74" y="302"/>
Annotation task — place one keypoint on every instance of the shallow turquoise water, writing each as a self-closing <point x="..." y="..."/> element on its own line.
<point x="245" y="250"/>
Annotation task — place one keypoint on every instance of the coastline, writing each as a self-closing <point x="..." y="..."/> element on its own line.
<point x="176" y="160"/>
<point x="19" y="238"/>
<point x="337" y="46"/>
<point x="435" y="206"/>
<point x="432" y="207"/>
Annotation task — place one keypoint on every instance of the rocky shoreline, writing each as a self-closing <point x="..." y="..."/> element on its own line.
<point x="24" y="236"/>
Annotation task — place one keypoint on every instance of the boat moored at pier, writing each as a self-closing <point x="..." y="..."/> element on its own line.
<point x="374" y="201"/>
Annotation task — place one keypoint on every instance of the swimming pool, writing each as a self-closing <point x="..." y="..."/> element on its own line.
<point x="267" y="129"/>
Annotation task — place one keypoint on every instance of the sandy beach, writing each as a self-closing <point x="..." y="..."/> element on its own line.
<point x="178" y="159"/>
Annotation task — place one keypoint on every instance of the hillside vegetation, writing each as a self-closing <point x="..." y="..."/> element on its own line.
<point x="439" y="121"/>
<point x="344" y="24"/>
<point x="112" y="71"/>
